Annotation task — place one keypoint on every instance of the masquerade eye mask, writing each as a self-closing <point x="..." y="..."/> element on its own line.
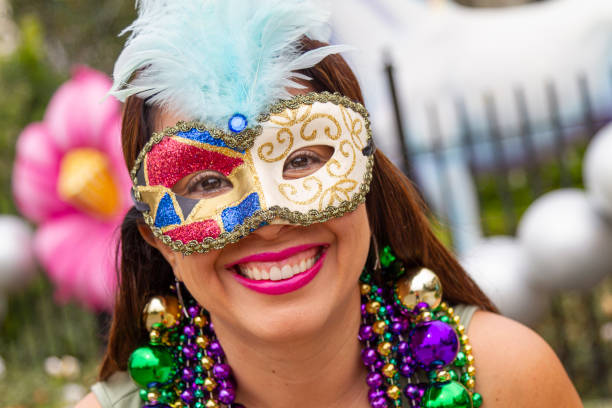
<point x="200" y="189"/>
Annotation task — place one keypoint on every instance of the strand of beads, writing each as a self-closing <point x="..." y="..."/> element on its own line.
<point x="183" y="366"/>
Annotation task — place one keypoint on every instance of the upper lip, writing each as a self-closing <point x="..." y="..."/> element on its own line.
<point x="274" y="256"/>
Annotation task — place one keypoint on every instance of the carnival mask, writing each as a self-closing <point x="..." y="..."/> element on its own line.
<point x="251" y="160"/>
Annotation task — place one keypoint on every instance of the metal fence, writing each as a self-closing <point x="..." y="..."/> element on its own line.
<point x="575" y="324"/>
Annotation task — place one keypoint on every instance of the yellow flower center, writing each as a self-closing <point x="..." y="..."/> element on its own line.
<point x="86" y="181"/>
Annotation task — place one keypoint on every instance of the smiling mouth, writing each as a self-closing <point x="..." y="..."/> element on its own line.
<point x="279" y="266"/>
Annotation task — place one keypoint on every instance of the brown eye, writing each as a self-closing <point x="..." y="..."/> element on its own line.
<point x="206" y="184"/>
<point x="306" y="161"/>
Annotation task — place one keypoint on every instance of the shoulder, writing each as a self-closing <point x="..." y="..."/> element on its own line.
<point x="90" y="401"/>
<point x="515" y="367"/>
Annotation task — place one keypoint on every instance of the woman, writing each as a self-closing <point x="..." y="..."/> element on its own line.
<point x="270" y="222"/>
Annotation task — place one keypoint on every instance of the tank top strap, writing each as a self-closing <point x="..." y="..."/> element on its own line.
<point x="119" y="391"/>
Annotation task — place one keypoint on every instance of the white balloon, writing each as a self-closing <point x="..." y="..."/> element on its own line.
<point x="598" y="170"/>
<point x="499" y="266"/>
<point x="17" y="264"/>
<point x="569" y="246"/>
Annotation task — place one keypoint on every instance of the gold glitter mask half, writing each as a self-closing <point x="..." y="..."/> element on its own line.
<point x="255" y="193"/>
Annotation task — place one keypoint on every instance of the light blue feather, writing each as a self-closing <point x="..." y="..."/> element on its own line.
<point x="210" y="59"/>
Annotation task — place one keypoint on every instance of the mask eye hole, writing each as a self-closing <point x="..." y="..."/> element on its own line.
<point x="203" y="184"/>
<point x="306" y="161"/>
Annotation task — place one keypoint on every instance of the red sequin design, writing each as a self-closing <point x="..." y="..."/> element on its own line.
<point x="169" y="161"/>
<point x="196" y="231"/>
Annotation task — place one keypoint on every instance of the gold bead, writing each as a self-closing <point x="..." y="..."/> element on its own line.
<point x="202" y="341"/>
<point x="210" y="384"/>
<point x="200" y="321"/>
<point x="461" y="329"/>
<point x="424" y="317"/>
<point x="450" y="311"/>
<point x="388" y="370"/>
<point x="373" y="307"/>
<point x="177" y="404"/>
<point x="153" y="396"/>
<point x="470" y="359"/>
<point x="443" y="376"/>
<point x="456" y="319"/>
<point x="467" y="349"/>
<point x="384" y="349"/>
<point x="211" y="404"/>
<point x="471" y="370"/>
<point x="379" y="327"/>
<point x="365" y="288"/>
<point x="161" y="309"/>
<point x="419" y="285"/>
<point x="444" y="306"/>
<point x="464" y="339"/>
<point x="470" y="383"/>
<point x="394" y="392"/>
<point x="154" y="336"/>
<point x="207" y="362"/>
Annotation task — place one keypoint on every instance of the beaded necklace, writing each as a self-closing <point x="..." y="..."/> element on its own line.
<point x="407" y="333"/>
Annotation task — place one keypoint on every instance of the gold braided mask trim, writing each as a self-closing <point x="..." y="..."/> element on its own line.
<point x="306" y="120"/>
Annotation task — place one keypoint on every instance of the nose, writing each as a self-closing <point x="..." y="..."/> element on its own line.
<point x="272" y="231"/>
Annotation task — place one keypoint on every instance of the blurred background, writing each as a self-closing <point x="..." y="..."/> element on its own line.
<point x="497" y="109"/>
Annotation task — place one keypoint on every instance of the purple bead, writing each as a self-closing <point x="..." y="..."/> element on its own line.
<point x="379" y="403"/>
<point x="221" y="371"/>
<point x="421" y="306"/>
<point x="369" y="356"/>
<point x="215" y="349"/>
<point x="187" y="396"/>
<point x="374" y="394"/>
<point x="411" y="391"/>
<point x="407" y="360"/>
<point x="187" y="374"/>
<point x="156" y="406"/>
<point x="379" y="291"/>
<point x="397" y="328"/>
<point x="434" y="344"/>
<point x="403" y="348"/>
<point x="379" y="365"/>
<point x="190" y="351"/>
<point x="193" y="311"/>
<point x="189" y="330"/>
<point x="365" y="332"/>
<point x="195" y="386"/>
<point x="374" y="380"/>
<point x="227" y="395"/>
<point x="406" y="370"/>
<point x="363" y="310"/>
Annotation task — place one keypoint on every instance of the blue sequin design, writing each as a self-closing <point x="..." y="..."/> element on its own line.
<point x="234" y="216"/>
<point x="205" y="137"/>
<point x="238" y="123"/>
<point x="165" y="213"/>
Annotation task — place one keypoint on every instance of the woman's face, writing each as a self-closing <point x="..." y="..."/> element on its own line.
<point x="332" y="254"/>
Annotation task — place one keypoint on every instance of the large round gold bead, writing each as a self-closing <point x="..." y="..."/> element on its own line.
<point x="379" y="327"/>
<point x="210" y="384"/>
<point x="161" y="309"/>
<point x="211" y="404"/>
<point x="389" y="370"/>
<point x="365" y="288"/>
<point x="385" y="348"/>
<point x="207" y="362"/>
<point x="394" y="392"/>
<point x="152" y="396"/>
<point x="421" y="285"/>
<point x="372" y="307"/>
<point x="200" y="321"/>
<point x="202" y="341"/>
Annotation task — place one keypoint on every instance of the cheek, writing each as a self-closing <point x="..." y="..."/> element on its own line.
<point x="197" y="272"/>
<point x="353" y="236"/>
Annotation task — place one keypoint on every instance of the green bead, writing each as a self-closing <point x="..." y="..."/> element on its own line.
<point x="199" y="381"/>
<point x="386" y="257"/>
<point x="388" y="336"/>
<point x="460" y="360"/>
<point x="432" y="375"/>
<point x="447" y="395"/>
<point x="382" y="311"/>
<point x="465" y="377"/>
<point x="476" y="399"/>
<point x="143" y="395"/>
<point x="445" y="319"/>
<point x="151" y="365"/>
<point x="199" y="394"/>
<point x="198" y="405"/>
<point x="366" y="278"/>
<point x="453" y="375"/>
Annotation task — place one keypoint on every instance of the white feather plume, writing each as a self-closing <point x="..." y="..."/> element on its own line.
<point x="210" y="59"/>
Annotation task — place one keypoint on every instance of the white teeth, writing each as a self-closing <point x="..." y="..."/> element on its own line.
<point x="296" y="269"/>
<point x="275" y="273"/>
<point x="265" y="275"/>
<point x="256" y="274"/>
<point x="286" y="272"/>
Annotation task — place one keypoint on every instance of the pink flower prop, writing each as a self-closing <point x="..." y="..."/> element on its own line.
<point x="70" y="178"/>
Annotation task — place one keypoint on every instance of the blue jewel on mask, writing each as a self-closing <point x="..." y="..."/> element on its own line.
<point x="235" y="216"/>
<point x="166" y="215"/>
<point x="206" y="138"/>
<point x="238" y="123"/>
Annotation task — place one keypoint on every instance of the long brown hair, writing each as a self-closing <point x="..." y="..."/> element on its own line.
<point x="396" y="214"/>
